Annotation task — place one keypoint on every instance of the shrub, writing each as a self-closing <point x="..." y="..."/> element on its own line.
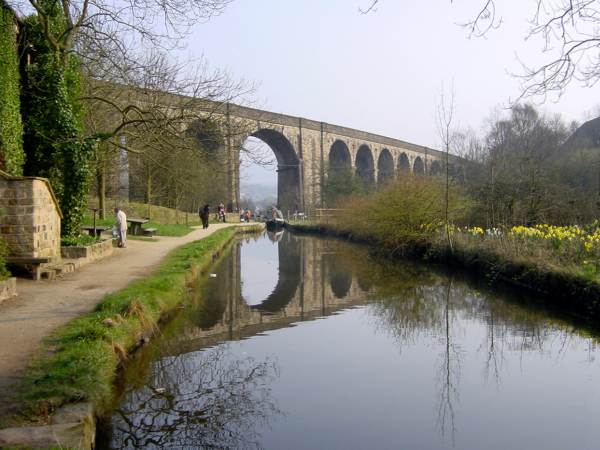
<point x="76" y="241"/>
<point x="406" y="211"/>
<point x="4" y="273"/>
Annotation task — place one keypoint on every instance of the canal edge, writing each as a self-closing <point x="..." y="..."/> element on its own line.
<point x="73" y="425"/>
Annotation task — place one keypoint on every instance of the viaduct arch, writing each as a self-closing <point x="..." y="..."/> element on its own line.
<point x="307" y="152"/>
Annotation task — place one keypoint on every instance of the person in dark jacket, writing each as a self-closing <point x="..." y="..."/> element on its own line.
<point x="204" y="214"/>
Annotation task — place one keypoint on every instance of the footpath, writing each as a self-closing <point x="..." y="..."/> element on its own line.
<point x="42" y="306"/>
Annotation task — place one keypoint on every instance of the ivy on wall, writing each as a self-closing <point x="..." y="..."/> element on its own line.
<point x="12" y="156"/>
<point x="53" y="135"/>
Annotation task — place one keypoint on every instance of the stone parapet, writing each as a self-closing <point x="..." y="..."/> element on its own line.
<point x="30" y="217"/>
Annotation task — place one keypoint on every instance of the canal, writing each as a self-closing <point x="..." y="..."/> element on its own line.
<point x="299" y="342"/>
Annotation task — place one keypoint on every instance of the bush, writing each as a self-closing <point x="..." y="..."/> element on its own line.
<point x="4" y="273"/>
<point x="78" y="241"/>
<point x="406" y="211"/>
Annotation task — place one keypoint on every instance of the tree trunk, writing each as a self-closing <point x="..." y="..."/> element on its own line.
<point x="101" y="175"/>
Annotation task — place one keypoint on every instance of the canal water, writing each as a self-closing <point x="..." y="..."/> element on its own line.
<point x="308" y="343"/>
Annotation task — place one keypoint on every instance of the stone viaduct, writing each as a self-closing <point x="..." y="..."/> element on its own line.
<point x="308" y="151"/>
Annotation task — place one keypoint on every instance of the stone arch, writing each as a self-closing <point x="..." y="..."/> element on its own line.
<point x="435" y="168"/>
<point x="385" y="167"/>
<point x="339" y="157"/>
<point x="403" y="163"/>
<point x="288" y="168"/>
<point x="418" y="166"/>
<point x="365" y="165"/>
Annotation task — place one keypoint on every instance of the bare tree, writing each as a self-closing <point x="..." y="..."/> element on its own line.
<point x="570" y="41"/>
<point x="445" y="116"/>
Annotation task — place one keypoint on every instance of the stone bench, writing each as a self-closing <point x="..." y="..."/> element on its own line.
<point x="149" y="231"/>
<point x="94" y="231"/>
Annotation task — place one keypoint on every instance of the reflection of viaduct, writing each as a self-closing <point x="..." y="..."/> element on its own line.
<point x="307" y="151"/>
<point x="312" y="283"/>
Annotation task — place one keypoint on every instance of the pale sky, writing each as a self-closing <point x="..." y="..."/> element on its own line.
<point x="383" y="72"/>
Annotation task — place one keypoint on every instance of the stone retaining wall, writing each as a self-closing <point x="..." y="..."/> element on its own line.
<point x="90" y="253"/>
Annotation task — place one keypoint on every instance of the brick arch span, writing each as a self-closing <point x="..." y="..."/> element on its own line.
<point x="339" y="157"/>
<point x="365" y="165"/>
<point x="288" y="168"/>
<point x="385" y="167"/>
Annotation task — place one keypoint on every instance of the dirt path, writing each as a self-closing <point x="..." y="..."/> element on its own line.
<point x="42" y="306"/>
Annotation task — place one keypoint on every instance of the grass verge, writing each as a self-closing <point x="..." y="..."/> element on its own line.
<point x="79" y="361"/>
<point x="561" y="286"/>
<point x="162" y="229"/>
<point x="170" y="229"/>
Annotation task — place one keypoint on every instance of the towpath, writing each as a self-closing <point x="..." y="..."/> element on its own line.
<point x="43" y="306"/>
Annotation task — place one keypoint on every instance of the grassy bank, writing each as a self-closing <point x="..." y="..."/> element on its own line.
<point x="79" y="361"/>
<point x="168" y="222"/>
<point x="406" y="219"/>
<point x="567" y="287"/>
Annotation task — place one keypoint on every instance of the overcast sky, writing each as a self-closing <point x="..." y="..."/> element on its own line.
<point x="383" y="72"/>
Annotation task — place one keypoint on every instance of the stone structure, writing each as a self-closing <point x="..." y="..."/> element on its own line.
<point x="30" y="217"/>
<point x="307" y="151"/>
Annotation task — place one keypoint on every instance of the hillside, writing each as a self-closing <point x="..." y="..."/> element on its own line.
<point x="586" y="136"/>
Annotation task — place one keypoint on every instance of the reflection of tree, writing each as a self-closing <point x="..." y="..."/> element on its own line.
<point x="206" y="399"/>
<point x="494" y="349"/>
<point x="449" y="371"/>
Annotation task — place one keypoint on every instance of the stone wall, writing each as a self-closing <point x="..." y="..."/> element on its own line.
<point x="91" y="253"/>
<point x="29" y="217"/>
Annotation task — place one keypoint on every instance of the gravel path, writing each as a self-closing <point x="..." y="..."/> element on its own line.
<point x="43" y="306"/>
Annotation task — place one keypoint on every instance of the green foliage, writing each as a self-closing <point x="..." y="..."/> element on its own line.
<point x="87" y="351"/>
<point x="341" y="184"/>
<point x="11" y="126"/>
<point x="4" y="273"/>
<point x="53" y="129"/>
<point x="169" y="229"/>
<point x="78" y="241"/>
<point x="208" y="134"/>
<point x="404" y="212"/>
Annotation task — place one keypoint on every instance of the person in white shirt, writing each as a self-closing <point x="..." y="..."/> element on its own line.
<point x="121" y="227"/>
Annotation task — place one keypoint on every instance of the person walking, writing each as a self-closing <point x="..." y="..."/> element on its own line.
<point x="204" y="215"/>
<point x="121" y="219"/>
<point x="221" y="212"/>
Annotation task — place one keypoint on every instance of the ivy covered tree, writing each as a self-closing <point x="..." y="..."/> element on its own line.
<point x="11" y="127"/>
<point x="53" y="137"/>
<point x="59" y="39"/>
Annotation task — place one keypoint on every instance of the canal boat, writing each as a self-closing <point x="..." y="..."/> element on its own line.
<point x="275" y="224"/>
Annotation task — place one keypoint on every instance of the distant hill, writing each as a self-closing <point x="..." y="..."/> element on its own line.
<point x="586" y="136"/>
<point x="262" y="195"/>
<point x="257" y="191"/>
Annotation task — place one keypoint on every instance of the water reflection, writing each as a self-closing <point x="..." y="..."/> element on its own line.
<point x="408" y="357"/>
<point x="198" y="400"/>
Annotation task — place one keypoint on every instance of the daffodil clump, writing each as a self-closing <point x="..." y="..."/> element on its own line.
<point x="573" y="238"/>
<point x="549" y="232"/>
<point x="561" y="245"/>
